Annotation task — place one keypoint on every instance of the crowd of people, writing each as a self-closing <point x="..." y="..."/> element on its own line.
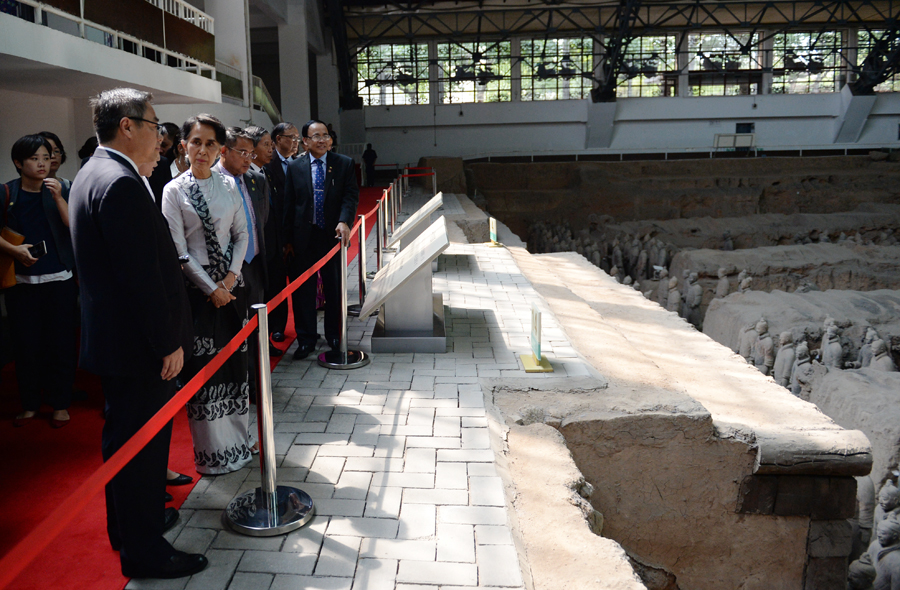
<point x="169" y="233"/>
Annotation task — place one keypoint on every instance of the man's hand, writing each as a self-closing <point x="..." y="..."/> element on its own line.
<point x="221" y="297"/>
<point x="172" y="365"/>
<point x="342" y="232"/>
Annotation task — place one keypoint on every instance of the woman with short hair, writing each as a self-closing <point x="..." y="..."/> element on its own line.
<point x="208" y="225"/>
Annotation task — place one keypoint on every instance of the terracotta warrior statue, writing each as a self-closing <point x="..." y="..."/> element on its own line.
<point x="887" y="560"/>
<point x="687" y="296"/>
<point x="832" y="352"/>
<point x="801" y="370"/>
<point x="861" y="574"/>
<point x="696" y="298"/>
<point x="662" y="291"/>
<point x="745" y="285"/>
<point x="722" y="286"/>
<point x="881" y="359"/>
<point x="747" y="341"/>
<point x="764" y="350"/>
<point x="784" y="360"/>
<point x="888" y="502"/>
<point x="865" y="351"/>
<point x="673" y="302"/>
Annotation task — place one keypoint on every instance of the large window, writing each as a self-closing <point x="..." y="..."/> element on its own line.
<point x="723" y="64"/>
<point x="393" y="74"/>
<point x="806" y="62"/>
<point x="553" y="69"/>
<point x="867" y="40"/>
<point x="651" y="68"/>
<point x="474" y="72"/>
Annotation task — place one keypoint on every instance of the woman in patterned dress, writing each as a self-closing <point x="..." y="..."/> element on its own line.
<point x="207" y="222"/>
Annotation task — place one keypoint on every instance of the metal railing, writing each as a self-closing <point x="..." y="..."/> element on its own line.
<point x="185" y="11"/>
<point x="117" y="39"/>
<point x="231" y="79"/>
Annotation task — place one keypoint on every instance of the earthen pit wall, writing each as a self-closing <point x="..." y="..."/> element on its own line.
<point x="520" y="194"/>
<point x="668" y="490"/>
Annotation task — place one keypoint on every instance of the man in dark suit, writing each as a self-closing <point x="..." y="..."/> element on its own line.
<point x="320" y="198"/>
<point x="286" y="138"/>
<point x="136" y="323"/>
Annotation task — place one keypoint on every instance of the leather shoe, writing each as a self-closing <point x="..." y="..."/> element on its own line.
<point x="171" y="518"/>
<point x="303" y="351"/>
<point x="169" y="497"/>
<point x="179" y="565"/>
<point x="277" y="337"/>
<point x="273" y="351"/>
<point x="20" y="422"/>
<point x="334" y="343"/>
<point x="181" y="480"/>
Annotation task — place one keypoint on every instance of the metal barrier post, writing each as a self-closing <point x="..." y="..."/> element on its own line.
<point x="270" y="509"/>
<point x="343" y="358"/>
<point x="393" y="205"/>
<point x="353" y="310"/>
<point x="433" y="181"/>
<point x="379" y="235"/>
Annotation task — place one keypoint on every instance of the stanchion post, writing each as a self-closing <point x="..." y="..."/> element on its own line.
<point x="342" y="358"/>
<point x="433" y="181"/>
<point x="393" y="205"/>
<point x="379" y="225"/>
<point x="270" y="509"/>
<point x="362" y="259"/>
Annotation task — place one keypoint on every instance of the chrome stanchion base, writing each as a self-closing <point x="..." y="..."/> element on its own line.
<point x="371" y="274"/>
<point x="332" y="360"/>
<point x="247" y="515"/>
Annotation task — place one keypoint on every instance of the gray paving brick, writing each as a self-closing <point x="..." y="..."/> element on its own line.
<point x="308" y="539"/>
<point x="472" y="515"/>
<point x="418" y="550"/>
<point x="338" y="556"/>
<point x="456" y="542"/>
<point x="475" y="438"/>
<point x="382" y="528"/>
<point x="417" y="521"/>
<point x="321" y="438"/>
<point x="340" y="507"/>
<point x="477" y="412"/>
<point x="341" y="423"/>
<point x="427" y="572"/>
<point x="403" y="480"/>
<point x="244" y="581"/>
<point x="473" y="456"/>
<point x="300" y="456"/>
<point x="451" y="476"/>
<point x="435" y="496"/>
<point x="482" y="470"/>
<point x="498" y="565"/>
<point x="272" y="562"/>
<point x="376" y="574"/>
<point x="288" y="582"/>
<point x="218" y="573"/>
<point x="353" y="485"/>
<point x="446" y="426"/>
<point x="374" y="464"/>
<point x="346" y="451"/>
<point x="383" y="502"/>
<point x="486" y="491"/>
<point x="486" y="534"/>
<point x="419" y="460"/>
<point x="227" y="539"/>
<point x="325" y="470"/>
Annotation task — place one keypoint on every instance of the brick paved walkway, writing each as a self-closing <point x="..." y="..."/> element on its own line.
<point x="396" y="456"/>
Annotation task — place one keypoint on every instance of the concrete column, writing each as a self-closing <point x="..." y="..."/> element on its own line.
<point x="768" y="58"/>
<point x="515" y="74"/>
<point x="682" y="60"/>
<point x="231" y="37"/>
<point x="293" y="48"/>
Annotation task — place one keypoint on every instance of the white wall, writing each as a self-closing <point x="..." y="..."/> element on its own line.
<point x="230" y="115"/>
<point x="231" y="36"/>
<point x="403" y="134"/>
<point x="24" y="114"/>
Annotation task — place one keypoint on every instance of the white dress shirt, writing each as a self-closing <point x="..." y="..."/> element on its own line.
<point x="227" y="213"/>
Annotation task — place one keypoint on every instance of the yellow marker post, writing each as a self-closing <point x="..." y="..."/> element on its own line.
<point x="534" y="362"/>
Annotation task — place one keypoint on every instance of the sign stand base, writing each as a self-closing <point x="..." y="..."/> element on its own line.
<point x="532" y="365"/>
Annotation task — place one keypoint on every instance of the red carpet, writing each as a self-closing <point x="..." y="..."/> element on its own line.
<point x="43" y="464"/>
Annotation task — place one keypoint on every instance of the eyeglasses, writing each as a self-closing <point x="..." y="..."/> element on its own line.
<point x="244" y="153"/>
<point x="160" y="130"/>
<point x="293" y="138"/>
<point x="318" y="137"/>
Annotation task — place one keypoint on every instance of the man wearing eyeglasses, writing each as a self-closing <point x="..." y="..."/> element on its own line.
<point x="320" y="198"/>
<point x="286" y="138"/>
<point x="237" y="154"/>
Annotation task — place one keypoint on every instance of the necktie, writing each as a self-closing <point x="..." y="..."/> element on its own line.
<point x="319" y="190"/>
<point x="251" y="247"/>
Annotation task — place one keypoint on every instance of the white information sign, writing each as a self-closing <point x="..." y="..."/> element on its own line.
<point x="536" y="332"/>
<point x="420" y="216"/>
<point x="493" y="227"/>
<point x="405" y="264"/>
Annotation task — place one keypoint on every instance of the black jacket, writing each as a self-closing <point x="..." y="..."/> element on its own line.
<point x="134" y="306"/>
<point x="341" y="197"/>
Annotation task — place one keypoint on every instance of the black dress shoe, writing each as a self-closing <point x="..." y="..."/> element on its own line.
<point x="273" y="351"/>
<point x="171" y="518"/>
<point x="179" y="565"/>
<point x="277" y="337"/>
<point x="181" y="480"/>
<point x="303" y="351"/>
<point x="169" y="497"/>
<point x="334" y="343"/>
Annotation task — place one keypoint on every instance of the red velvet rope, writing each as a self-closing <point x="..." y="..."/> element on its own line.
<point x="12" y="564"/>
<point x="419" y="168"/>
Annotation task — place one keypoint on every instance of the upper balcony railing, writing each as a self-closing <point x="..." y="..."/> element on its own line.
<point x="169" y="32"/>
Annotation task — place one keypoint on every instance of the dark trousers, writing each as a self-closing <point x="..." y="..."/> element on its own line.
<point x="276" y="284"/>
<point x="135" y="502"/>
<point x="321" y="241"/>
<point x="42" y="321"/>
<point x="254" y="286"/>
